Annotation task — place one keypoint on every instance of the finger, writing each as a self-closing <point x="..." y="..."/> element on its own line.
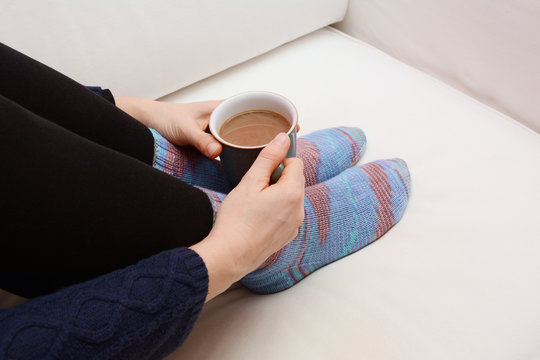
<point x="292" y="183"/>
<point x="205" y="143"/>
<point x="210" y="105"/>
<point x="268" y="160"/>
<point x="293" y="173"/>
<point x="206" y="109"/>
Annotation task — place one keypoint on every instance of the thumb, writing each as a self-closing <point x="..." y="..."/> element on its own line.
<point x="268" y="160"/>
<point x="206" y="144"/>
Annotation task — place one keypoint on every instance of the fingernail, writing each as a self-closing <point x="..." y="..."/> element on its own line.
<point x="212" y="148"/>
<point x="280" y="139"/>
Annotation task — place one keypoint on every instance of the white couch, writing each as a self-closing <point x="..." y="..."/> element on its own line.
<point x="459" y="276"/>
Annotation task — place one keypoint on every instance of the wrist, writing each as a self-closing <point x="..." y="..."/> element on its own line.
<point x="138" y="108"/>
<point x="223" y="269"/>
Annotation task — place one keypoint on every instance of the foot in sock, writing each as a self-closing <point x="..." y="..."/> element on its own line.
<point x="325" y="153"/>
<point x="328" y="152"/>
<point x="342" y="215"/>
<point x="189" y="165"/>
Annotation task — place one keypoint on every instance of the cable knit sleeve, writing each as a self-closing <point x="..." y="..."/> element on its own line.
<point x="144" y="311"/>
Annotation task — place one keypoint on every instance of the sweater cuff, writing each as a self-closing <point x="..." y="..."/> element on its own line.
<point x="104" y="93"/>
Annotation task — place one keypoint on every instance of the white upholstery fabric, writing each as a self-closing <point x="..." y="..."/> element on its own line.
<point x="489" y="49"/>
<point x="152" y="48"/>
<point x="457" y="278"/>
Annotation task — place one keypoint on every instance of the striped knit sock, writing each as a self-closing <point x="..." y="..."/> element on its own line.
<point x="328" y="152"/>
<point x="189" y="165"/>
<point x="342" y="215"/>
<point x="325" y="153"/>
<point x="215" y="197"/>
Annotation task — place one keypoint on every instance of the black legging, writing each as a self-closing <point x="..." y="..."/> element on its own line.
<point x="79" y="195"/>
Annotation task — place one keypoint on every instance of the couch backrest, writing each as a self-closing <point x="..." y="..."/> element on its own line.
<point x="152" y="48"/>
<point x="487" y="48"/>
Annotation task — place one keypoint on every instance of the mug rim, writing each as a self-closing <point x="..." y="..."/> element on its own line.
<point x="252" y="147"/>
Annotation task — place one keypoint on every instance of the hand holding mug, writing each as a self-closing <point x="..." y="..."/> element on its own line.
<point x="255" y="220"/>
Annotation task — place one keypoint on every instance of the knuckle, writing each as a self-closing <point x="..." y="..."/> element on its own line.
<point x="200" y="141"/>
<point x="291" y="195"/>
<point x="248" y="178"/>
<point x="297" y="196"/>
<point x="206" y="139"/>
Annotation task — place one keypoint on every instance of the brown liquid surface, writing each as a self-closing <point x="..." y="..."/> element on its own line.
<point x="254" y="127"/>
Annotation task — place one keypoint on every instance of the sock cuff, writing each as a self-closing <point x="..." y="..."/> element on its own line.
<point x="216" y="198"/>
<point x="161" y="150"/>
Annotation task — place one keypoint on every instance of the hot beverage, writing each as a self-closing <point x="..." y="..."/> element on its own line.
<point x="253" y="127"/>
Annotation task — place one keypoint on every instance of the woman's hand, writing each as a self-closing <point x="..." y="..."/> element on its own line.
<point x="256" y="219"/>
<point x="181" y="124"/>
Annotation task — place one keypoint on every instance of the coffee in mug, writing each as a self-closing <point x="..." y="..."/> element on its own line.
<point x="253" y="127"/>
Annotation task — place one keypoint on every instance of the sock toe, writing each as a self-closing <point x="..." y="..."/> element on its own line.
<point x="328" y="152"/>
<point x="392" y="176"/>
<point x="357" y="139"/>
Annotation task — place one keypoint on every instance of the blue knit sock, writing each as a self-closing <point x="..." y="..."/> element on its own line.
<point x="189" y="165"/>
<point x="325" y="154"/>
<point x="342" y="215"/>
<point x="328" y="152"/>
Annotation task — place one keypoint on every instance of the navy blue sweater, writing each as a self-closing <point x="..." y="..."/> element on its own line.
<point x="143" y="311"/>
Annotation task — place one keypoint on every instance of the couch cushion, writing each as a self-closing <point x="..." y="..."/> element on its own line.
<point x="489" y="49"/>
<point x="152" y="48"/>
<point x="457" y="278"/>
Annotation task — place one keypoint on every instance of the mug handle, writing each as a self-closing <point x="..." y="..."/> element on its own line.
<point x="277" y="173"/>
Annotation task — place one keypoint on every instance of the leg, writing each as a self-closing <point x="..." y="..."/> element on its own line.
<point x="73" y="210"/>
<point x="67" y="103"/>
